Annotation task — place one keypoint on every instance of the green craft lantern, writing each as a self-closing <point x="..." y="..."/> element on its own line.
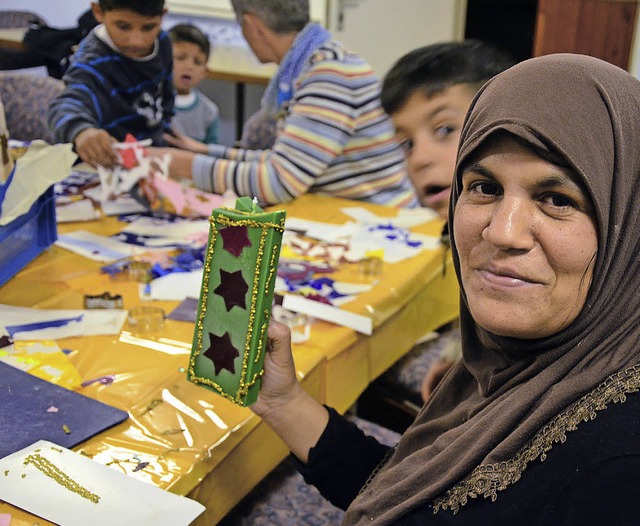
<point x="240" y="267"/>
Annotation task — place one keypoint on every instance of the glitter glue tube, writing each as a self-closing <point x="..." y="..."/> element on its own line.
<point x="240" y="267"/>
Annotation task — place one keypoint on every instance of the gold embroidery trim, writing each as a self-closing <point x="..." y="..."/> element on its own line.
<point x="487" y="479"/>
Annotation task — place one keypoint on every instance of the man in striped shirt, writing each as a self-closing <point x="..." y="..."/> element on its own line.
<point x="333" y="136"/>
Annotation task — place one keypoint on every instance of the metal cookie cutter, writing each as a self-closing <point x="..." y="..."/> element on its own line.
<point x="103" y="301"/>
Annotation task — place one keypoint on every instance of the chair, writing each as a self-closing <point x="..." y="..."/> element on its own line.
<point x="19" y="58"/>
<point x="20" y="19"/>
<point x="26" y="99"/>
<point x="283" y="498"/>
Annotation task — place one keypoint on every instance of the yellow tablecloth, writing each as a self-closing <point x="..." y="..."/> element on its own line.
<point x="196" y="442"/>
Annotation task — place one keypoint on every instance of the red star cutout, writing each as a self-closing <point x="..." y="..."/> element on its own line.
<point x="233" y="288"/>
<point x="234" y="239"/>
<point x="222" y="353"/>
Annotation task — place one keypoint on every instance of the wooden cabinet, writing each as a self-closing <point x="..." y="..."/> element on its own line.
<point x="600" y="28"/>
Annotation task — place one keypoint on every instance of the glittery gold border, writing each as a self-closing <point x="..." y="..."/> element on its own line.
<point x="245" y="384"/>
<point x="487" y="479"/>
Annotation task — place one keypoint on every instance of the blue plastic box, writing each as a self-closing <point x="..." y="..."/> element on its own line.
<point x="27" y="236"/>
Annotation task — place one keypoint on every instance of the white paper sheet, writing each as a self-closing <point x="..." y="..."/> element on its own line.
<point x="123" y="500"/>
<point x="321" y="311"/>
<point x="24" y="323"/>
<point x="178" y="232"/>
<point x="81" y="210"/>
<point x="98" y="248"/>
<point x="177" y="286"/>
<point x="124" y="204"/>
<point x="41" y="167"/>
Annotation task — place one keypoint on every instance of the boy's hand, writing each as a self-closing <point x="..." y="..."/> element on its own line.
<point x="180" y="140"/>
<point x="433" y="377"/>
<point x="95" y="146"/>
<point x="179" y="163"/>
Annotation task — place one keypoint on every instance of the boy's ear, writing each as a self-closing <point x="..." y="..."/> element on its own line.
<point x="97" y="11"/>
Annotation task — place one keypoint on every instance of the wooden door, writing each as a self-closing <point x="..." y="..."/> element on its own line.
<point x="600" y="28"/>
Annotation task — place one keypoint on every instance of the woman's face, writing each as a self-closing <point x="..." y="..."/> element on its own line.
<point x="526" y="239"/>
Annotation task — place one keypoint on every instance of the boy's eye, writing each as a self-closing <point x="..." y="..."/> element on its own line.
<point x="444" y="131"/>
<point x="406" y="145"/>
<point x="123" y="26"/>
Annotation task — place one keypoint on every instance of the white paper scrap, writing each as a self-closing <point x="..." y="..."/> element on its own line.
<point x="23" y="323"/>
<point x="81" y="210"/>
<point x="321" y="311"/>
<point x="98" y="248"/>
<point x="177" y="286"/>
<point x="121" y="499"/>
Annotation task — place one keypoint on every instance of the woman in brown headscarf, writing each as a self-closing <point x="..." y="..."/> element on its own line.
<point x="540" y="421"/>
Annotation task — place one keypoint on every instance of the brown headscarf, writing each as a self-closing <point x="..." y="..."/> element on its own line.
<point x="504" y="407"/>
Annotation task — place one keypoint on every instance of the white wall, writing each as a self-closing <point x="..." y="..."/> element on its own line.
<point x="58" y="13"/>
<point x="381" y="31"/>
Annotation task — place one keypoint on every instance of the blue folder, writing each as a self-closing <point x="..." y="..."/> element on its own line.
<point x="24" y="400"/>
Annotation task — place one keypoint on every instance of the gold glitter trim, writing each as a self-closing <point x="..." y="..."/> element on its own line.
<point x="52" y="471"/>
<point x="487" y="479"/>
<point x="245" y="383"/>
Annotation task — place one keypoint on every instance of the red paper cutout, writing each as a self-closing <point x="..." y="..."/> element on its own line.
<point x="234" y="239"/>
<point x="222" y="353"/>
<point x="233" y="289"/>
<point x="128" y="154"/>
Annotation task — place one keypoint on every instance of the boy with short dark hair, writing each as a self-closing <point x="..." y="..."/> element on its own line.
<point x="119" y="82"/>
<point x="427" y="93"/>
<point x="196" y="115"/>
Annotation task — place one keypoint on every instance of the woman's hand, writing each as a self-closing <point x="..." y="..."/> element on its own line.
<point x="279" y="382"/>
<point x="183" y="142"/>
<point x="296" y="417"/>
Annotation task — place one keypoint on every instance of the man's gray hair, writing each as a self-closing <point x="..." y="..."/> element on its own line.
<point x="281" y="16"/>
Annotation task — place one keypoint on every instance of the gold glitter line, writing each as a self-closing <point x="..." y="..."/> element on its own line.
<point x="52" y="471"/>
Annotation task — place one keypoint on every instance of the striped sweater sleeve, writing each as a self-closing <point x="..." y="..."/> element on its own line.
<point x="320" y="123"/>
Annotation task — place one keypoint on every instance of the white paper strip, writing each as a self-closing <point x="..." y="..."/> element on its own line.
<point x="357" y="322"/>
<point x="123" y="500"/>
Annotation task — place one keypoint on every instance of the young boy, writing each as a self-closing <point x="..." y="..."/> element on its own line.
<point x="427" y="93"/>
<point x="119" y="82"/>
<point x="196" y="116"/>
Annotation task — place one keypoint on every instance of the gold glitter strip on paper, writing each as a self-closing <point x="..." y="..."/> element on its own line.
<point x="52" y="471"/>
<point x="487" y="479"/>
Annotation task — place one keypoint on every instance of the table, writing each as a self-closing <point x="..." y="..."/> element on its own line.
<point x="197" y="443"/>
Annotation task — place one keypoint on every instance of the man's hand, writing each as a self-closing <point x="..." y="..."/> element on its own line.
<point x="95" y="147"/>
